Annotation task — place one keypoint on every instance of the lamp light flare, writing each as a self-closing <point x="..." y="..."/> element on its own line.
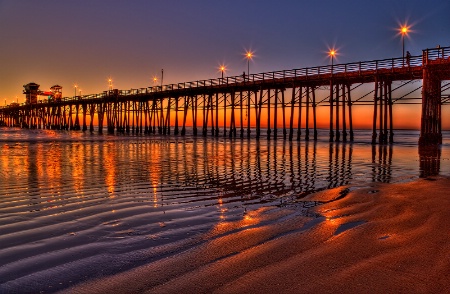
<point x="110" y="85"/>
<point x="332" y="53"/>
<point x="222" y="68"/>
<point x="404" y="30"/>
<point x="249" y="55"/>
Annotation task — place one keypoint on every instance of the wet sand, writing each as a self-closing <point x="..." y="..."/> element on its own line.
<point x="392" y="238"/>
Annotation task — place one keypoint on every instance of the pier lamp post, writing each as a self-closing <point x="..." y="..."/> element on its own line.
<point x="403" y="31"/>
<point x="75" y="86"/>
<point x="222" y="68"/>
<point x="162" y="77"/>
<point x="332" y="54"/>
<point x="248" y="55"/>
<point x="110" y="85"/>
<point x="155" y="82"/>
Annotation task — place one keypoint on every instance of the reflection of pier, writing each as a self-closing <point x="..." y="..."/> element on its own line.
<point x="259" y="171"/>
<point x="232" y="106"/>
<point x="273" y="171"/>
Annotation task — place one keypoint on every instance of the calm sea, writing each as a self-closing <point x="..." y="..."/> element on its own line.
<point x="75" y="206"/>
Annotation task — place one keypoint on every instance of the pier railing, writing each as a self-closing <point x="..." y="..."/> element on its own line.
<point x="432" y="56"/>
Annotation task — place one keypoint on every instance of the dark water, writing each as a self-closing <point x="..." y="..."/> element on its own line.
<point x="76" y="206"/>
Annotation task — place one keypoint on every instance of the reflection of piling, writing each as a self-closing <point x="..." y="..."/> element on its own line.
<point x="430" y="160"/>
<point x="381" y="165"/>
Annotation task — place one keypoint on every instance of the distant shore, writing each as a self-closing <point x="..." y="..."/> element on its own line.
<point x="389" y="238"/>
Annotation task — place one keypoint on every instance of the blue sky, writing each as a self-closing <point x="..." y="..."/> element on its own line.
<point x="85" y="42"/>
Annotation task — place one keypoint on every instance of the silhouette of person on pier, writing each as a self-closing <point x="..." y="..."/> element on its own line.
<point x="408" y="58"/>
<point x="243" y="75"/>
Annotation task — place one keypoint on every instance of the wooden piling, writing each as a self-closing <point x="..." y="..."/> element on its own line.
<point x="314" y="112"/>
<point x="291" y="118"/>
<point x="268" y="114"/>
<point x="374" y="125"/>
<point x="275" y="116"/>
<point x="338" y="132"/>
<point x="331" y="111"/>
<point x="299" y="122"/>
<point x="307" y="114"/>
<point x="249" y="95"/>
<point x="380" y="124"/>
<point x="350" y="118"/>
<point x="217" y="115"/>
<point x="344" y="121"/>
<point x="391" y="120"/>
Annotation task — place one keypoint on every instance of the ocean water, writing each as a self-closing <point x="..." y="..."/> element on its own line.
<point x="77" y="206"/>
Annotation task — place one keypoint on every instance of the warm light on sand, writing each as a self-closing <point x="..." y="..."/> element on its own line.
<point x="387" y="234"/>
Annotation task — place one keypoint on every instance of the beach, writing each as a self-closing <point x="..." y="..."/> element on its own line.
<point x="389" y="238"/>
<point x="88" y="213"/>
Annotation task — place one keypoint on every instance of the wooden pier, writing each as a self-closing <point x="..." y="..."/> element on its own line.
<point x="283" y="103"/>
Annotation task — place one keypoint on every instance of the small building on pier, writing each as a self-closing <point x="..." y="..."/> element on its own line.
<point x="56" y="93"/>
<point x="31" y="92"/>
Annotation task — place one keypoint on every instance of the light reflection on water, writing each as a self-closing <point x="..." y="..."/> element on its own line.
<point x="75" y="197"/>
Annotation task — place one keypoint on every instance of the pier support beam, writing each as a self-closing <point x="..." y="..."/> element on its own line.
<point x="430" y="130"/>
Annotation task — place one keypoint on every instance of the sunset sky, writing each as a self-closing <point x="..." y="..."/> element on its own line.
<point x="86" y="42"/>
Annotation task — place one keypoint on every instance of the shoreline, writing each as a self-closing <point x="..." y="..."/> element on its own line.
<point x="388" y="237"/>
